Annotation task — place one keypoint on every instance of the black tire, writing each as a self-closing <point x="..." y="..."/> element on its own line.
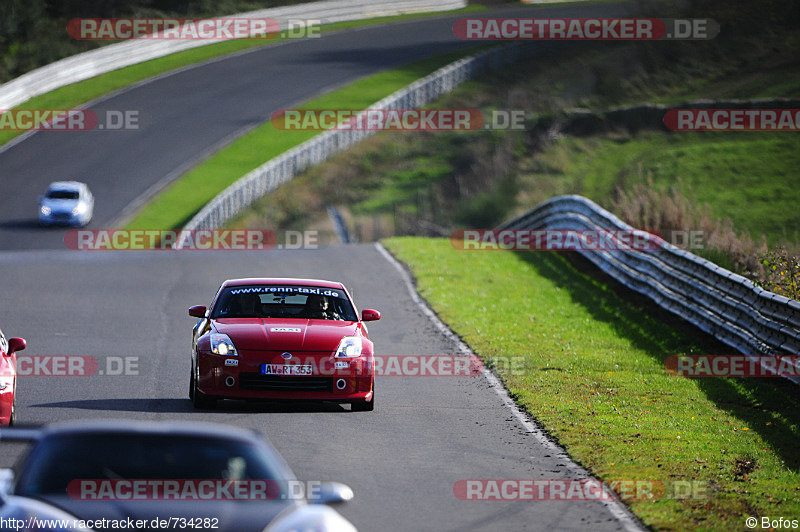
<point x="203" y="402"/>
<point x="200" y="400"/>
<point x="364" y="406"/>
<point x="13" y="419"/>
<point x="191" y="384"/>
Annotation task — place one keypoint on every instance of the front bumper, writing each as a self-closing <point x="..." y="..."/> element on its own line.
<point x="6" y="404"/>
<point x="67" y="219"/>
<point x="245" y="380"/>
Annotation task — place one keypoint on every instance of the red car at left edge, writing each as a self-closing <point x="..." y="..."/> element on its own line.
<point x="8" y="378"/>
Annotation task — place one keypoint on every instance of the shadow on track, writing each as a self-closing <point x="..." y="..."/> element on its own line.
<point x="173" y="406"/>
<point x="21" y="224"/>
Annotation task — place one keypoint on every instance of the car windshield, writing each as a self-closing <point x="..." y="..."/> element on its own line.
<point x="273" y="301"/>
<point x="63" y="194"/>
<point x="57" y="461"/>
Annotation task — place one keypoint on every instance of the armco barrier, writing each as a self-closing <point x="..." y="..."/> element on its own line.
<point x="112" y="57"/>
<point x="283" y="168"/>
<point x="721" y="303"/>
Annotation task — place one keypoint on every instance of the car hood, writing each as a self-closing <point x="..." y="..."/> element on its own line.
<point x="290" y="335"/>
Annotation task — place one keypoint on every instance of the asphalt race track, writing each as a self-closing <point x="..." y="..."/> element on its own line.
<point x="401" y="460"/>
<point x="425" y="434"/>
<point x="186" y="116"/>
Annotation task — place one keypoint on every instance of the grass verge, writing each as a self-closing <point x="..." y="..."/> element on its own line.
<point x="594" y="378"/>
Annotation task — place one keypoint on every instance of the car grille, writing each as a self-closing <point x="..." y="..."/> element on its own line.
<point x="275" y="383"/>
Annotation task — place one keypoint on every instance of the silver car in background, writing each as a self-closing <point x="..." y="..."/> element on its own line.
<point x="66" y="203"/>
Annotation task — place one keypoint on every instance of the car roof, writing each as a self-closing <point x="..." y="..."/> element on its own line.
<point x="161" y="429"/>
<point x="66" y="185"/>
<point x="165" y="428"/>
<point x="282" y="281"/>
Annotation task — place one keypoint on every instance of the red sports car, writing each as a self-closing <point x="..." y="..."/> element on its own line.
<point x="296" y="339"/>
<point x="8" y="378"/>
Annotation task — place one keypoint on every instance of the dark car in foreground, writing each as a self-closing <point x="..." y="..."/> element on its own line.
<point x="161" y="476"/>
<point x="290" y="339"/>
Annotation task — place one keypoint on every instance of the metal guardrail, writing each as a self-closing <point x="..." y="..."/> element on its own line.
<point x="728" y="306"/>
<point x="339" y="226"/>
<point x="115" y="56"/>
<point x="283" y="168"/>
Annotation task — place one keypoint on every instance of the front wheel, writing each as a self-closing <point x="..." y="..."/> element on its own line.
<point x="13" y="418"/>
<point x="203" y="402"/>
<point x="200" y="400"/>
<point x="191" y="384"/>
<point x="365" y="406"/>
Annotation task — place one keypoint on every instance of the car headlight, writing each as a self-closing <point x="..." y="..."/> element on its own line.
<point x="349" y="347"/>
<point x="6" y="382"/>
<point x="79" y="209"/>
<point x="45" y="210"/>
<point x="221" y="344"/>
<point x="317" y="518"/>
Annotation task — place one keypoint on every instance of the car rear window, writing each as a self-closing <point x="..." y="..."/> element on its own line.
<point x="57" y="461"/>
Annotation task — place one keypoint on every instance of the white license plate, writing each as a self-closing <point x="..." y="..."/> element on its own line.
<point x="285" y="369"/>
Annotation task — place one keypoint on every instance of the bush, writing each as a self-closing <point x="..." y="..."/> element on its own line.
<point x="781" y="273"/>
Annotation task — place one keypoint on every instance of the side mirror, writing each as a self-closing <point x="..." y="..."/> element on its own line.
<point x="198" y="311"/>
<point x="16" y="344"/>
<point x="370" y="315"/>
<point x="330" y="493"/>
<point x="6" y="483"/>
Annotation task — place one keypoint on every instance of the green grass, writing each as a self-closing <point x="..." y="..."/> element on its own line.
<point x="386" y="183"/>
<point x="594" y="377"/>
<point x="181" y="200"/>
<point x="750" y="178"/>
<point x="82" y="92"/>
